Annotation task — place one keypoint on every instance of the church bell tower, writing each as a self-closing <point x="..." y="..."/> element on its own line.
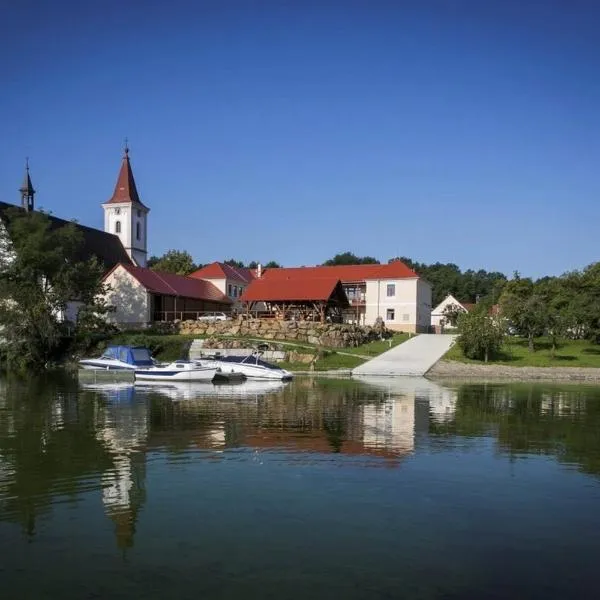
<point x="26" y="190"/>
<point x="126" y="216"/>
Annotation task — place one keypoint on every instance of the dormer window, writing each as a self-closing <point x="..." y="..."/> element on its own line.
<point x="118" y="227"/>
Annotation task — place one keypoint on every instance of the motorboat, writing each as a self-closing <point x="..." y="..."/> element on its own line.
<point x="119" y="358"/>
<point x="252" y="366"/>
<point x="180" y="370"/>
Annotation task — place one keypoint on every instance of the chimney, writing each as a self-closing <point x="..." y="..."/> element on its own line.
<point x="258" y="271"/>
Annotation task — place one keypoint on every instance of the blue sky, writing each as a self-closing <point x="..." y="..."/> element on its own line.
<point x="464" y="132"/>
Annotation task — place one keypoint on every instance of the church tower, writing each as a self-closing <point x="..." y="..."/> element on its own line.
<point x="126" y="216"/>
<point x="26" y="190"/>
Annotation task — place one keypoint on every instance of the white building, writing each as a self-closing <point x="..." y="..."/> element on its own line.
<point x="438" y="314"/>
<point x="392" y="292"/>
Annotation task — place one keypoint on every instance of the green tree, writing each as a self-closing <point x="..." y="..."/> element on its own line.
<point x="178" y="262"/>
<point x="523" y="304"/>
<point x="480" y="334"/>
<point x="272" y="265"/>
<point x="234" y="263"/>
<point x="348" y="258"/>
<point x="38" y="280"/>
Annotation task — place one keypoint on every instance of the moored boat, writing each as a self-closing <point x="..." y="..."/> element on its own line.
<point x="252" y="366"/>
<point x="180" y="370"/>
<point x="119" y="358"/>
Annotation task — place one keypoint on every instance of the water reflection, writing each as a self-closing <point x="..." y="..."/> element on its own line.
<point x="59" y="441"/>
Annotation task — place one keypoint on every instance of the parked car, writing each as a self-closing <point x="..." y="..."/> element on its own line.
<point x="214" y="316"/>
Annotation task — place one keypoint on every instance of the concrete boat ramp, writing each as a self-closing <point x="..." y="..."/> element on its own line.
<point x="413" y="358"/>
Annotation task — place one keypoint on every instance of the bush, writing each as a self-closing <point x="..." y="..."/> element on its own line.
<point x="480" y="335"/>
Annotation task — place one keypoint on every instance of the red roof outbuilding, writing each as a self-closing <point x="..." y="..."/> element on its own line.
<point x="294" y="290"/>
<point x="219" y="270"/>
<point x="169" y="284"/>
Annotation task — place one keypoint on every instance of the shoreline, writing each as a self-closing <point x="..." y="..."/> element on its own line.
<point x="448" y="369"/>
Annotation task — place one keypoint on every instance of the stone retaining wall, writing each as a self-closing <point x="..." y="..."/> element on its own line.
<point x="320" y="334"/>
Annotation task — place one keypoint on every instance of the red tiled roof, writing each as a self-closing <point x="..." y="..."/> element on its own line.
<point x="169" y="284"/>
<point x="273" y="290"/>
<point x="219" y="270"/>
<point x="393" y="270"/>
<point x="125" y="189"/>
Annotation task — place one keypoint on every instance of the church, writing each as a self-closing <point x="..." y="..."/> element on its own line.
<point x="137" y="294"/>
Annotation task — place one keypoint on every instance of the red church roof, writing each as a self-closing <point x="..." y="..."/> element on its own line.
<point x="219" y="270"/>
<point x="169" y="284"/>
<point x="345" y="273"/>
<point x="125" y="189"/>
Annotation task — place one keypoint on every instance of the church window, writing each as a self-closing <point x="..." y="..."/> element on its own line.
<point x="138" y="234"/>
<point x="118" y="227"/>
<point x="117" y="211"/>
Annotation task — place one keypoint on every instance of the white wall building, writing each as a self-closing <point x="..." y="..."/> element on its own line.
<point x="438" y="316"/>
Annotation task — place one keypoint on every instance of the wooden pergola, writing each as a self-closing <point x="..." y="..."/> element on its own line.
<point x="305" y="300"/>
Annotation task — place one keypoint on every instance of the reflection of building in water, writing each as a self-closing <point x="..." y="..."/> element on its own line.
<point x="562" y="403"/>
<point x="442" y="405"/>
<point x="390" y="425"/>
<point x="123" y="428"/>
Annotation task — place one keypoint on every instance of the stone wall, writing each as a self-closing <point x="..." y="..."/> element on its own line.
<point x="321" y="334"/>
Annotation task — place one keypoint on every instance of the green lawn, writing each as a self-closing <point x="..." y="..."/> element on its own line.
<point x="570" y="353"/>
<point x="378" y="347"/>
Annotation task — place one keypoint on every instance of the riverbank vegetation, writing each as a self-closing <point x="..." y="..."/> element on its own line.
<point x="41" y="276"/>
<point x="549" y="322"/>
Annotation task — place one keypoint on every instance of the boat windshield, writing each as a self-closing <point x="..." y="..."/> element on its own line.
<point x="141" y="355"/>
<point x="254" y="360"/>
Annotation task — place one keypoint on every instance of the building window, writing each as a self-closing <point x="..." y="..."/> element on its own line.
<point x="235" y="291"/>
<point x="118" y="227"/>
<point x="117" y="211"/>
<point x="390" y="314"/>
<point x="139" y="213"/>
<point x="405" y="317"/>
<point x="229" y="291"/>
<point x="138" y="232"/>
<point x="391" y="289"/>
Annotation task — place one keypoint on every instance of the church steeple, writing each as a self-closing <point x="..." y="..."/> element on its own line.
<point x="125" y="189"/>
<point x="26" y="190"/>
<point x="125" y="214"/>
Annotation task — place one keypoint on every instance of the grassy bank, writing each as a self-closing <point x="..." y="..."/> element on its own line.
<point x="570" y="353"/>
<point x="170" y="347"/>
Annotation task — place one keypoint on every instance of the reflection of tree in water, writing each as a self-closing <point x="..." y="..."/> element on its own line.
<point x="47" y="442"/>
<point x="560" y="421"/>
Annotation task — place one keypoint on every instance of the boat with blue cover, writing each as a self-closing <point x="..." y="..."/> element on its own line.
<point x="118" y="358"/>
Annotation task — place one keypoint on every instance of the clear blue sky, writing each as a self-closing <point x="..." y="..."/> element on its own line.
<point x="295" y="130"/>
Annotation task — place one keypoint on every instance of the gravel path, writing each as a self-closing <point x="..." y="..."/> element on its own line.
<point x="452" y="369"/>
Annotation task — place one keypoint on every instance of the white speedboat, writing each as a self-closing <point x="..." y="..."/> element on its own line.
<point x="251" y="366"/>
<point x="250" y="389"/>
<point x="120" y="358"/>
<point x="180" y="370"/>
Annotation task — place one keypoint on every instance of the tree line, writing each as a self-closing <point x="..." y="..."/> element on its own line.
<point x="558" y="308"/>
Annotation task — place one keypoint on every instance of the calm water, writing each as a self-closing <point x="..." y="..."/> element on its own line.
<point x="314" y="489"/>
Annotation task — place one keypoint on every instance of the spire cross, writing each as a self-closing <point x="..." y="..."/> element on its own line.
<point x="126" y="146"/>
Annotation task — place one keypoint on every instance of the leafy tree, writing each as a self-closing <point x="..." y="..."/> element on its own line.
<point x="451" y="314"/>
<point x="348" y="258"/>
<point x="234" y="263"/>
<point x="525" y="307"/>
<point x="480" y="334"/>
<point x="272" y="265"/>
<point x="38" y="280"/>
<point x="173" y="261"/>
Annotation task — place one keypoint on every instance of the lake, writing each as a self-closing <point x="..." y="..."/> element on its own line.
<point x="386" y="488"/>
